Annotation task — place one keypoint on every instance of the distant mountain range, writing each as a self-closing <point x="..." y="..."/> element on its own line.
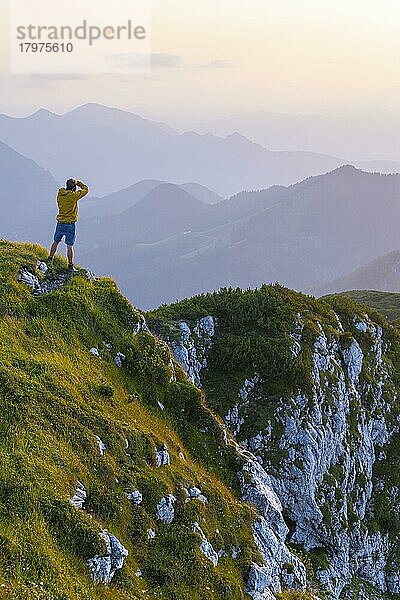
<point x="171" y="245"/>
<point x="383" y="273"/>
<point x="113" y="149"/>
<point x="364" y="135"/>
<point x="27" y="195"/>
<point x="122" y="200"/>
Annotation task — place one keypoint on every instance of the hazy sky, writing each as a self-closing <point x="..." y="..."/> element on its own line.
<point x="219" y="57"/>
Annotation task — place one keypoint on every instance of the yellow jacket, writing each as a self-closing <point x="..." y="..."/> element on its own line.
<point x="67" y="201"/>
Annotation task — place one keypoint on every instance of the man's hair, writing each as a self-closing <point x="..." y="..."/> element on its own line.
<point x="70" y="185"/>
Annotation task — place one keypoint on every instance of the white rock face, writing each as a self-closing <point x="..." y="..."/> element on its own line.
<point x="140" y="326"/>
<point x="270" y="532"/>
<point x="42" y="267"/>
<point x="195" y="494"/>
<point x="102" y="568"/>
<point x="101" y="445"/>
<point x="353" y="358"/>
<point x="270" y="527"/>
<point x="205" y="546"/>
<point x="325" y="477"/>
<point x="329" y="441"/>
<point x="48" y="284"/>
<point x="233" y="420"/>
<point x="29" y="279"/>
<point x="151" y="534"/>
<point x="163" y="457"/>
<point x="135" y="497"/>
<point x="191" y="348"/>
<point x="236" y="415"/>
<point x="258" y="583"/>
<point x="119" y="359"/>
<point x="165" y="509"/>
<point x="78" y="499"/>
<point x="95" y="352"/>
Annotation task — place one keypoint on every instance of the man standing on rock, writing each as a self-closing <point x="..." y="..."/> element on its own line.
<point x="67" y="200"/>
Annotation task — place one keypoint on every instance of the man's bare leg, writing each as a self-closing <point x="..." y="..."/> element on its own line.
<point x="70" y="256"/>
<point x="53" y="250"/>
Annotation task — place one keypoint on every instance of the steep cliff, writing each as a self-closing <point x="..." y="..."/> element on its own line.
<point x="310" y="388"/>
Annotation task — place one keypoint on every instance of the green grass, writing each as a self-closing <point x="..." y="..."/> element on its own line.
<point x="55" y="397"/>
<point x="387" y="303"/>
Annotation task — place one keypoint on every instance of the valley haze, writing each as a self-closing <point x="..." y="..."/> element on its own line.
<point x="168" y="217"/>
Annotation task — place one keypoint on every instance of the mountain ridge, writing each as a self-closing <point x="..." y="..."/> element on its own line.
<point x="132" y="148"/>
<point x="265" y="236"/>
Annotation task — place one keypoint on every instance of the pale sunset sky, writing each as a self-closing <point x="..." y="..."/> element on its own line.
<point x="218" y="57"/>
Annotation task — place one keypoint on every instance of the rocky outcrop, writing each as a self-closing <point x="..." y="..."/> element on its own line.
<point x="101" y="445"/>
<point x="140" y="326"/>
<point x="270" y="530"/>
<point x="195" y="494"/>
<point x="329" y="440"/>
<point x="235" y="419"/>
<point x="258" y="583"/>
<point x="205" y="546"/>
<point x="162" y="456"/>
<point x="41" y="281"/>
<point x="191" y="346"/>
<point x="102" y="568"/>
<point x="166" y="510"/>
<point x="330" y="443"/>
<point x="44" y="286"/>
<point x="135" y="497"/>
<point x="119" y="359"/>
<point x="79" y="498"/>
<point x="281" y="568"/>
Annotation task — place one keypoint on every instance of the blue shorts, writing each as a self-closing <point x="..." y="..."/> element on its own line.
<point x="67" y="230"/>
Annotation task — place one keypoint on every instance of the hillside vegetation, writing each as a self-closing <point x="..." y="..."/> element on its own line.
<point x="387" y="303"/>
<point x="311" y="387"/>
<point x="55" y="398"/>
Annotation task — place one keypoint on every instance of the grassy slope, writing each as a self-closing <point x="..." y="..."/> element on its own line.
<point x="54" y="398"/>
<point x="388" y="303"/>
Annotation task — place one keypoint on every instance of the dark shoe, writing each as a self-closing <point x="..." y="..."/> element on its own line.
<point x="71" y="270"/>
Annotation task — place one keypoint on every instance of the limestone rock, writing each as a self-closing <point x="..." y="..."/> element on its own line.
<point x="42" y="267"/>
<point x="135" y="497"/>
<point x="119" y="359"/>
<point x="102" y="568"/>
<point x="205" y="546"/>
<point x="31" y="280"/>
<point x="258" y="582"/>
<point x="163" y="457"/>
<point x="140" y="326"/>
<point x="78" y="499"/>
<point x="353" y="358"/>
<point x="101" y="445"/>
<point x="195" y="494"/>
<point x="165" y="509"/>
<point x="191" y="348"/>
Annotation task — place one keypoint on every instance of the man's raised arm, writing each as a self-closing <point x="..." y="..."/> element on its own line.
<point x="83" y="191"/>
